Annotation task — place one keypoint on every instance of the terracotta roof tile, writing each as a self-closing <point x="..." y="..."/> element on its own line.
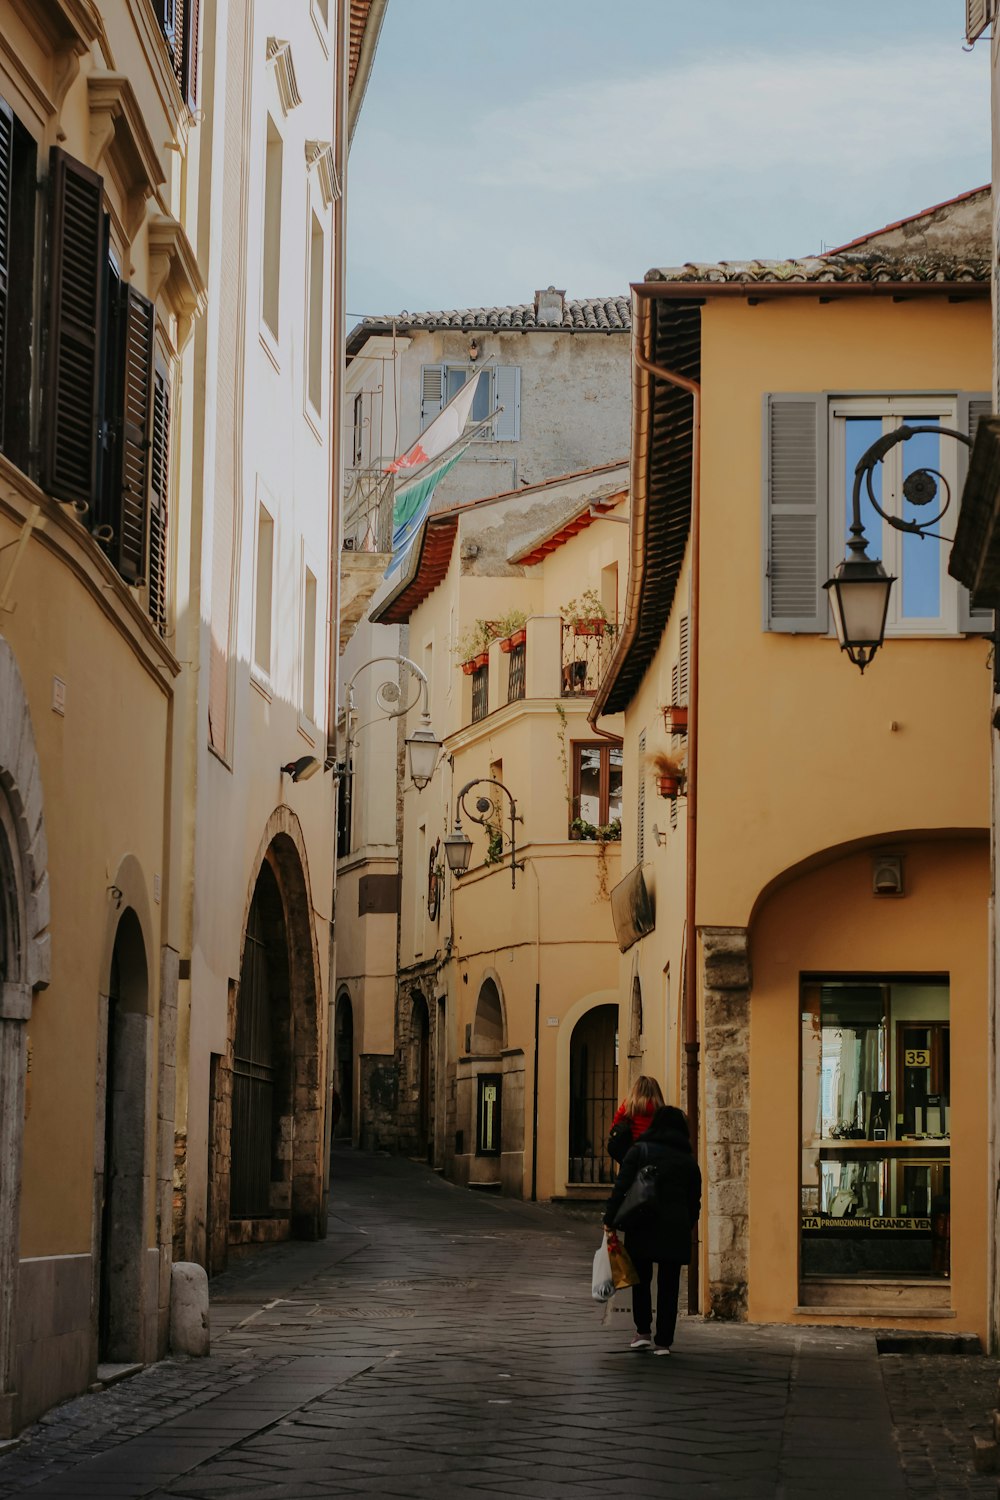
<point x="830" y="268"/>
<point x="582" y="315"/>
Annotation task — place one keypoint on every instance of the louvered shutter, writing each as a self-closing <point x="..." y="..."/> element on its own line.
<point x="6" y="163"/>
<point x="507" y="428"/>
<point x="640" y="840"/>
<point x="76" y="280"/>
<point x="159" y="473"/>
<point x="128" y="547"/>
<point x="977" y="17"/>
<point x="971" y="407"/>
<point x="684" y="660"/>
<point x="189" y="69"/>
<point x="432" y="392"/>
<point x="796" y="526"/>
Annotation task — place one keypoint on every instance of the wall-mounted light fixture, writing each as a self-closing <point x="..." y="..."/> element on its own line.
<point x="423" y="746"/>
<point x="860" y="588"/>
<point x="301" y="769"/>
<point x="458" y="845"/>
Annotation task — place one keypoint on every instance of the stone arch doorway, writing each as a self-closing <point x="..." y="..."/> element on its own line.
<point x="123" y="1184"/>
<point x="593" y="1094"/>
<point x="344" y="1064"/>
<point x="276" y="1137"/>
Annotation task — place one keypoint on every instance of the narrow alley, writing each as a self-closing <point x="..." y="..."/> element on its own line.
<point x="444" y="1342"/>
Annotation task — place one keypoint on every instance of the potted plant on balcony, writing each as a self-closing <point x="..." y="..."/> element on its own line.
<point x="669" y="772"/>
<point x="587" y="615"/>
<point x="675" y="718"/>
<point x="473" y="646"/>
<point x="514" y="628"/>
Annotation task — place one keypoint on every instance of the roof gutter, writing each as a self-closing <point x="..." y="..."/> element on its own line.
<point x="369" y="41"/>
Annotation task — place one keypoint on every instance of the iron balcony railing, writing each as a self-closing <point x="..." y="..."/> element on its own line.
<point x="368" y="498"/>
<point x="517" y="658"/>
<point x="585" y="659"/>
<point x="480" y="693"/>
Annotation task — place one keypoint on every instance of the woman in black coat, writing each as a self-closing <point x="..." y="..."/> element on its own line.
<point x="662" y="1231"/>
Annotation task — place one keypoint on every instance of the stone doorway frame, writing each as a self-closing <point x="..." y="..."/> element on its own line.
<point x="283" y="849"/>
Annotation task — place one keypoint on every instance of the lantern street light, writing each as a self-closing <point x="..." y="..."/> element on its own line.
<point x="859" y="590"/>
<point x="458" y="845"/>
<point x="423" y="745"/>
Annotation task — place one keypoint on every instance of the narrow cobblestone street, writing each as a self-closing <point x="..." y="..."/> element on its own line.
<point x="443" y="1342"/>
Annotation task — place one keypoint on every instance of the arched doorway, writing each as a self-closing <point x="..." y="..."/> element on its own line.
<point x="123" y="1180"/>
<point x="593" y="1065"/>
<point x="277" y="1140"/>
<point x="344" y="1064"/>
<point x="420" y="1041"/>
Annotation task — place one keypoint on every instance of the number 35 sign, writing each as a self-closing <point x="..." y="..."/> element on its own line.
<point x="917" y="1057"/>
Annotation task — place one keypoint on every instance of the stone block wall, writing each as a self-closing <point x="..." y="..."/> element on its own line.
<point x="379" y="1100"/>
<point x="725" y="1062"/>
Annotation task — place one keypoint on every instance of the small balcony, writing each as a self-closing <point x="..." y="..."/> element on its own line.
<point x="585" y="658"/>
<point x="367" y="542"/>
<point x="550" y="661"/>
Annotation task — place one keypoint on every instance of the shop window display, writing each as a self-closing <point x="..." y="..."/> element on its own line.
<point x="876" y="1110"/>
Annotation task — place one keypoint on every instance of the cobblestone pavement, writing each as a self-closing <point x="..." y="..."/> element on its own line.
<point x="442" y="1342"/>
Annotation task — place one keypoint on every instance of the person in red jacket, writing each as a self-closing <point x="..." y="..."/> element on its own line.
<point x="634" y="1115"/>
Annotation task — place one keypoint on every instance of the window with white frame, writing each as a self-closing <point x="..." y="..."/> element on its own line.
<point x="263" y="593"/>
<point x="315" y="319"/>
<point x="812" y="444"/>
<point x="271" y="265"/>
<point x="309" y="646"/>
<point x="500" y="386"/>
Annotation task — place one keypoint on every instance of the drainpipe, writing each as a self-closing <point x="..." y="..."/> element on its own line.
<point x="338" y="339"/>
<point x="690" y="1001"/>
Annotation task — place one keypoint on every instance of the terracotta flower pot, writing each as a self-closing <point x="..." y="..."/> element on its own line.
<point x="517" y="639"/>
<point x="669" y="786"/>
<point x="468" y="667"/>
<point x="482" y="660"/>
<point x="589" y="627"/>
<point x="675" y="718"/>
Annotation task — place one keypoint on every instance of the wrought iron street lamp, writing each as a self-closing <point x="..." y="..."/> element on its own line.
<point x="458" y="845"/>
<point x="423" y="745"/>
<point x="860" y="589"/>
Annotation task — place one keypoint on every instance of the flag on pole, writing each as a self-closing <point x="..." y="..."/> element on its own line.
<point x="413" y="502"/>
<point x="446" y="429"/>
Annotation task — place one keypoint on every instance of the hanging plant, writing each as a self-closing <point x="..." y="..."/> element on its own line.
<point x="587" y="615"/>
<point x="669" y="771"/>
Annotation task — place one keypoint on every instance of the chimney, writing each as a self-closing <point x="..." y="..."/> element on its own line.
<point x="550" y="306"/>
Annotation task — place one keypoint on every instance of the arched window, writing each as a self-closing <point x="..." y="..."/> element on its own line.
<point x="488" y="1033"/>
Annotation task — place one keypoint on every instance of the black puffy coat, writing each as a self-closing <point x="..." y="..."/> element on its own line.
<point x="663" y="1233"/>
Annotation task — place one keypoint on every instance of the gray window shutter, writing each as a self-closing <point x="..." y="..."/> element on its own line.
<point x="640" y="821"/>
<point x="507" y="427"/>
<point x="796" y="513"/>
<point x="432" y="392"/>
<point x="971" y="406"/>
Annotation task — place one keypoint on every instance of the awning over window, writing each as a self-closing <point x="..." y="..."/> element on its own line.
<point x="632" y="909"/>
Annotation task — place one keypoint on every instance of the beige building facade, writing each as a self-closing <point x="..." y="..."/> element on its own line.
<point x="828" y="1042"/>
<point x="505" y="1060"/>
<point x="100" y="293"/>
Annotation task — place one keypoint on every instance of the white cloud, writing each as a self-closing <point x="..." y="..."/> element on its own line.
<point x="587" y="185"/>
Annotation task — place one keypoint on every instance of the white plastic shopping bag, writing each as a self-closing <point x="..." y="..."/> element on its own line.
<point x="602" y="1286"/>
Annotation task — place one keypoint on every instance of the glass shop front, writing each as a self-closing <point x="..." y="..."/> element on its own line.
<point x="876" y="1140"/>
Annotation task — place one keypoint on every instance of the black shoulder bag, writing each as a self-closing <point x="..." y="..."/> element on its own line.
<point x="641" y="1196"/>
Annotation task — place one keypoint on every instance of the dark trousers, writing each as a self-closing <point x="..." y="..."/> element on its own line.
<point x="668" y="1280"/>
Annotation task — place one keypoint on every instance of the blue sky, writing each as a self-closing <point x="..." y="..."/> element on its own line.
<point x="508" y="144"/>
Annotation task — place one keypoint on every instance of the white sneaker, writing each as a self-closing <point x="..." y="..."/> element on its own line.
<point x="660" y="1348"/>
<point x="641" y="1342"/>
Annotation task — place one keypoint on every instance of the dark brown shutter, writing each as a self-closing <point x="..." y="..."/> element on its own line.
<point x="159" y="470"/>
<point x="166" y="15"/>
<point x="6" y="164"/>
<point x="76" y="279"/>
<point x="129" y="544"/>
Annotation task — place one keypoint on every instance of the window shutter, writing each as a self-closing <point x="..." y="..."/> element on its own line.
<point x="640" y="841"/>
<point x="76" y="279"/>
<point x="971" y="407"/>
<point x="795" y="513"/>
<point x="189" y="59"/>
<point x="6" y="166"/>
<point x="432" y="391"/>
<point x="683" y="675"/>
<point x="507" y="427"/>
<point x="129" y="544"/>
<point x="159" y="472"/>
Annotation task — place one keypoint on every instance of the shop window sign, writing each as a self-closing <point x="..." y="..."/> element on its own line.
<point x="488" y="1115"/>
<point x="876" y="1128"/>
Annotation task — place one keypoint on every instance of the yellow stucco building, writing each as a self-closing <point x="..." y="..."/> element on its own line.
<point x="827" y="1024"/>
<point x="507" y="1064"/>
